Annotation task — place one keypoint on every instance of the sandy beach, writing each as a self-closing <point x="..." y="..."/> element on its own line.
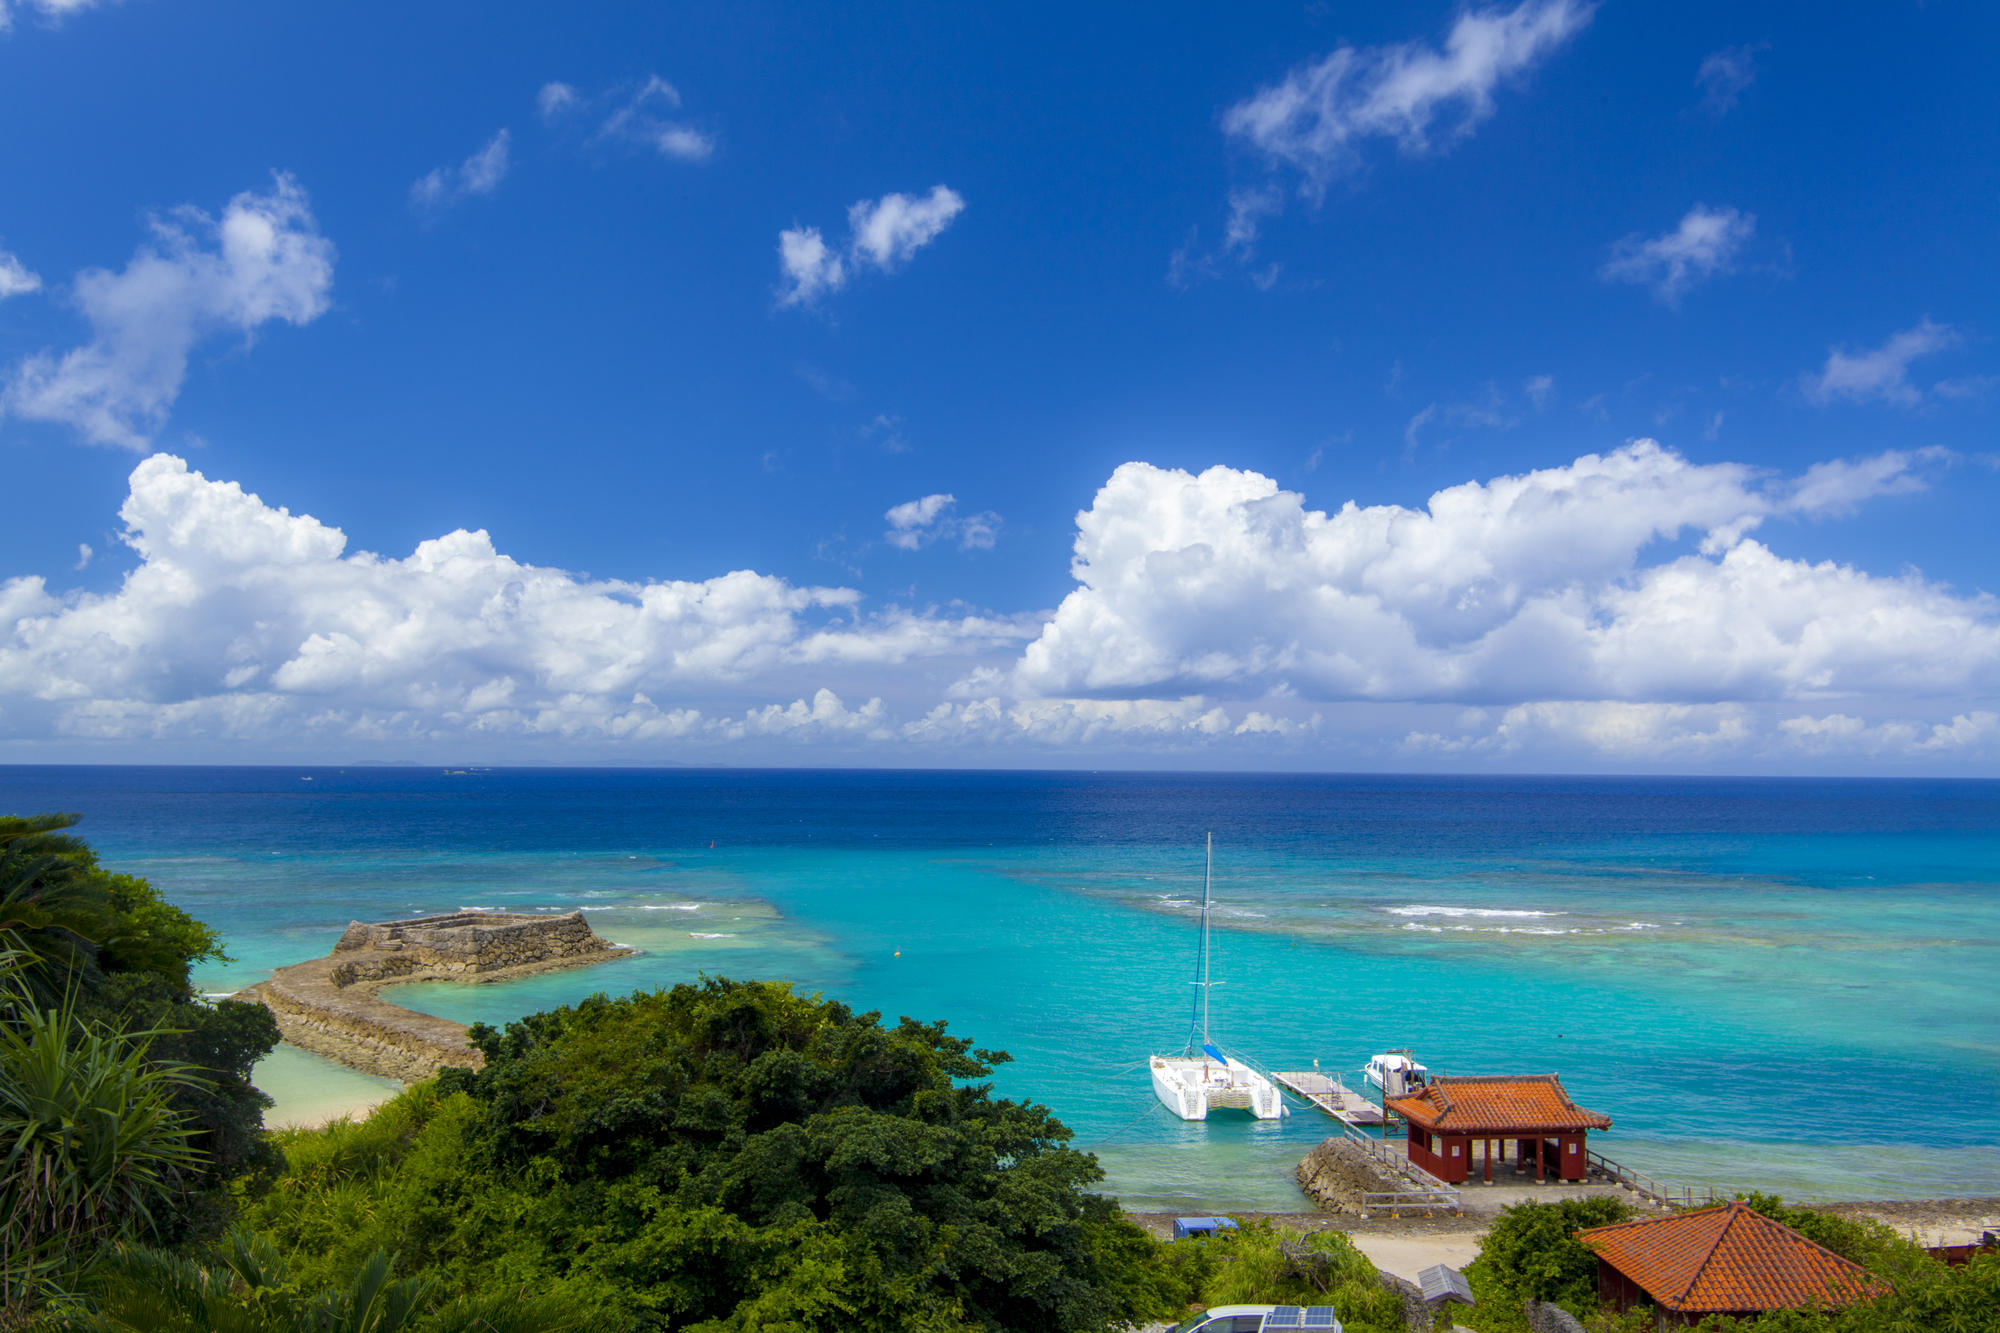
<point x="310" y="1090"/>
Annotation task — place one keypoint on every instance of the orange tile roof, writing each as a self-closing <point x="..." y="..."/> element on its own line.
<point x="1497" y="1106"/>
<point x="1729" y="1259"/>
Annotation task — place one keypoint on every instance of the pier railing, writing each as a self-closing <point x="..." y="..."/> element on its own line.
<point x="1643" y="1185"/>
<point x="1429" y="1191"/>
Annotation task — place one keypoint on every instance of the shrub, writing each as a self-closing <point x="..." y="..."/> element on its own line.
<point x="1250" y="1265"/>
<point x="94" y="1149"/>
<point x="1531" y="1253"/>
<point x="110" y="946"/>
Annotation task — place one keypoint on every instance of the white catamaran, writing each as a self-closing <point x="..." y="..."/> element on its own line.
<point x="1202" y="1079"/>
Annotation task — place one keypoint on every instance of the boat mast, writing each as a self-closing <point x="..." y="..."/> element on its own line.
<point x="1198" y="1020"/>
<point x="1208" y="873"/>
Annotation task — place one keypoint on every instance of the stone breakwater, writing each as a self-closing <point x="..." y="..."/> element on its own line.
<point x="329" y="1005"/>
<point x="1337" y="1174"/>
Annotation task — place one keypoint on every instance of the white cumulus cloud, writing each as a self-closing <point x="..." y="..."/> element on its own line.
<point x="247" y="619"/>
<point x="1314" y="120"/>
<point x="1071" y="723"/>
<point x="915" y="524"/>
<point x="479" y="174"/>
<point x="51" y="11"/>
<point x="15" y="279"/>
<point x="882" y="233"/>
<point x="1705" y="244"/>
<point x="645" y="119"/>
<point x="1842" y="734"/>
<point x="810" y="268"/>
<point x="1523" y="588"/>
<point x="198" y="277"/>
<point x="893" y="228"/>
<point x="1724" y="75"/>
<point x="1880" y="375"/>
<point x="1515" y="622"/>
<point x="1687" y="735"/>
<point x="556" y="98"/>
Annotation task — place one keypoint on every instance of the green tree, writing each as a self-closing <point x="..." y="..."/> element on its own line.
<point x="1531" y="1253"/>
<point x="54" y="914"/>
<point x="221" y="1042"/>
<point x="50" y="881"/>
<point x="730" y="1156"/>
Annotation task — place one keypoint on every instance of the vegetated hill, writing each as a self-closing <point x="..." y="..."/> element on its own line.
<point x="729" y="1155"/>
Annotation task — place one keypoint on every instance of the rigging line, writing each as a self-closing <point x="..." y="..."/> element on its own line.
<point x="1198" y="1020"/>
<point x="1157" y="1105"/>
<point x="1123" y="1072"/>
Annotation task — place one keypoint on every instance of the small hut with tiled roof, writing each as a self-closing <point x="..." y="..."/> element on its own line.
<point x="1531" y="1111"/>
<point x="1729" y="1260"/>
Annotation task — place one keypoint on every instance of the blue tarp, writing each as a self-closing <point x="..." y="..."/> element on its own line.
<point x="1215" y="1055"/>
<point x="1201" y="1226"/>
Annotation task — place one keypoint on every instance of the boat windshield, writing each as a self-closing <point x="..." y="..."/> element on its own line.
<point x="1190" y="1325"/>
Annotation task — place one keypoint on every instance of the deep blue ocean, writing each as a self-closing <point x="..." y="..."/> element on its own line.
<point x="1782" y="983"/>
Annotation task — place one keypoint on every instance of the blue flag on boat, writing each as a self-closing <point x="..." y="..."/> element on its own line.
<point x="1215" y="1055"/>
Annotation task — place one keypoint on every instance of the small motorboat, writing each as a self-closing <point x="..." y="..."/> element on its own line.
<point x="1397" y="1074"/>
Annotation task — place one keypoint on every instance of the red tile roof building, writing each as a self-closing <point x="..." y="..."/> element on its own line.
<point x="1727" y="1260"/>
<point x="1532" y="1111"/>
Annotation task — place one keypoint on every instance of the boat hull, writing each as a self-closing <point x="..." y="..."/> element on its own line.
<point x="1194" y="1089"/>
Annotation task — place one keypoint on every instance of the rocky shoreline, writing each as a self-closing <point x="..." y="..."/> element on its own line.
<point x="330" y="1006"/>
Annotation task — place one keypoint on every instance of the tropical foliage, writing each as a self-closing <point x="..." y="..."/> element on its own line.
<point x="94" y="1150"/>
<point x="1531" y="1253"/>
<point x="116" y="956"/>
<point x="730" y="1155"/>
<point x="125" y="1103"/>
<point x="78" y="922"/>
<point x="1261" y="1263"/>
<point x="248" y="1289"/>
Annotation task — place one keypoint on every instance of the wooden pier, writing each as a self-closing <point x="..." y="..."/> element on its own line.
<point x="1330" y="1095"/>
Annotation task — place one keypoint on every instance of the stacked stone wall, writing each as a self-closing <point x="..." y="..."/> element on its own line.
<point x="349" y="1025"/>
<point x="474" y="942"/>
<point x="328" y="1006"/>
<point x="1336" y="1175"/>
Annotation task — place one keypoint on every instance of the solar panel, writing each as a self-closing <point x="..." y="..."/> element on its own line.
<point x="1285" y="1316"/>
<point x="1445" y="1284"/>
<point x="1320" y="1316"/>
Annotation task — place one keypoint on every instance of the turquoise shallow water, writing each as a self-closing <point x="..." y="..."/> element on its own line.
<point x="1784" y="984"/>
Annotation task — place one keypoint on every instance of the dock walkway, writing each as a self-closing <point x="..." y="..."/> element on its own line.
<point x="1330" y="1095"/>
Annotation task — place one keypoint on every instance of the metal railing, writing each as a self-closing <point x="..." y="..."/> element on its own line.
<point x="1643" y="1185"/>
<point x="1430" y="1192"/>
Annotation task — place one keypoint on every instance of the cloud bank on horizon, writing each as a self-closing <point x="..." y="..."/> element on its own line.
<point x="1214" y="611"/>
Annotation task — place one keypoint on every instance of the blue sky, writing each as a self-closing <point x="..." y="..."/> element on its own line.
<point x="528" y="281"/>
